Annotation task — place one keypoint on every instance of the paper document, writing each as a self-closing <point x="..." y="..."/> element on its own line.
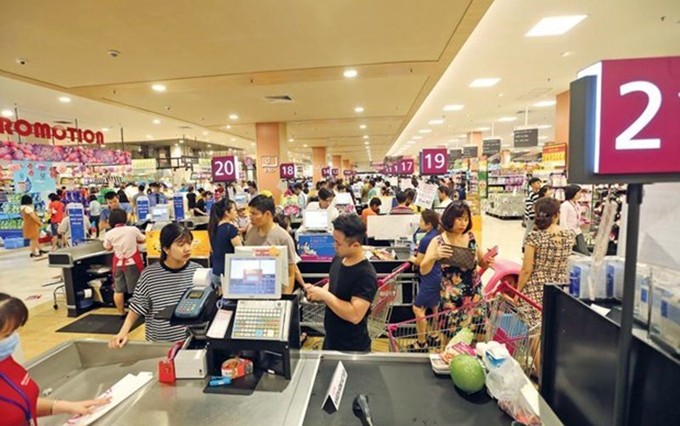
<point x="119" y="392"/>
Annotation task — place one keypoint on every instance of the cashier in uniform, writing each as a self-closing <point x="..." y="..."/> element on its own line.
<point x="325" y="202"/>
<point x="350" y="291"/>
<point x="20" y="404"/>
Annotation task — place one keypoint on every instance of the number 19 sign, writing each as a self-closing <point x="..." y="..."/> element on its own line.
<point x="434" y="161"/>
<point x="225" y="169"/>
<point x="287" y="171"/>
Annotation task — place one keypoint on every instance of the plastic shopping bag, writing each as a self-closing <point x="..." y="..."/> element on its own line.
<point x="507" y="383"/>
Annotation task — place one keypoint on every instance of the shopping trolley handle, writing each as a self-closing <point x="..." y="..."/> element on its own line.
<point x="505" y="287"/>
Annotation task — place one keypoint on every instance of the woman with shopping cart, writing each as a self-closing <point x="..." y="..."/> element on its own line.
<point x="457" y="253"/>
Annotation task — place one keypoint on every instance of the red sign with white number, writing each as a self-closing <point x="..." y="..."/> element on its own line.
<point x="406" y="166"/>
<point x="348" y="172"/>
<point x="638" y="117"/>
<point x="434" y="161"/>
<point x="287" y="171"/>
<point x="326" y="171"/>
<point x="225" y="169"/>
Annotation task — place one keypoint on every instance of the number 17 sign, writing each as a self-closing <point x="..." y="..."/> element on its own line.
<point x="434" y="161"/>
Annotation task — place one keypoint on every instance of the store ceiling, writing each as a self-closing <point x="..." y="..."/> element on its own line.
<point x="218" y="58"/>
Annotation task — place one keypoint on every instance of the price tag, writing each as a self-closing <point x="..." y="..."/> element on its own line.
<point x="178" y="204"/>
<point x="287" y="171"/>
<point x="76" y="218"/>
<point x="336" y="388"/>
<point x="434" y="161"/>
<point x="143" y="207"/>
<point x="225" y="169"/>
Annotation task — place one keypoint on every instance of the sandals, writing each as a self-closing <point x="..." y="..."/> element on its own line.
<point x="418" y="347"/>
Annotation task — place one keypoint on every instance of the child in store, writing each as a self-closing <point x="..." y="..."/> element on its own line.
<point x="64" y="229"/>
<point x="127" y="262"/>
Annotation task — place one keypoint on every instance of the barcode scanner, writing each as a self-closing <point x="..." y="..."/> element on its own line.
<point x="361" y="410"/>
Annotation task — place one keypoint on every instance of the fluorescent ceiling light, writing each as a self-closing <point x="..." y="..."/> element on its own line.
<point x="105" y="129"/>
<point x="506" y="119"/>
<point x="425" y="131"/>
<point x="411" y="143"/>
<point x="181" y="141"/>
<point x="435" y="122"/>
<point x="304" y="146"/>
<point x="485" y="82"/>
<point x="233" y="116"/>
<point x="545" y="104"/>
<point x="359" y="109"/>
<point x="567" y="53"/>
<point x="7" y="113"/>
<point x="482" y="129"/>
<point x="362" y="126"/>
<point x="366" y="142"/>
<point x="544" y="126"/>
<point x="158" y="88"/>
<point x="156" y="121"/>
<point x="233" y="139"/>
<point x="149" y="137"/>
<point x="365" y="136"/>
<point x="205" y="133"/>
<point x="417" y="138"/>
<point x="543" y="138"/>
<point x="64" y="99"/>
<point x="291" y="140"/>
<point x="228" y="126"/>
<point x="350" y="73"/>
<point x="453" y="107"/>
<point x="555" y="25"/>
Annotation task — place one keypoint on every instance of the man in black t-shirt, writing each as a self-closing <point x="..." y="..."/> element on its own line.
<point x="350" y="291"/>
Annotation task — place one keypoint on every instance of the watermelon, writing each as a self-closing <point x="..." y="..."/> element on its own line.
<point x="467" y="373"/>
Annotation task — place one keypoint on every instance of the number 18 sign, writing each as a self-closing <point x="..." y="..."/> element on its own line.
<point x="287" y="171"/>
<point x="434" y="161"/>
<point x="225" y="169"/>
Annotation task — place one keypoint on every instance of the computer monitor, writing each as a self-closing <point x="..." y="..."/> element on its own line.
<point x="315" y="220"/>
<point x="160" y="213"/>
<point x="343" y="199"/>
<point x="250" y="277"/>
<point x="278" y="252"/>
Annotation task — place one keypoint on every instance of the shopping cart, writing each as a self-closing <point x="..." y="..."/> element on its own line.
<point x="312" y="314"/>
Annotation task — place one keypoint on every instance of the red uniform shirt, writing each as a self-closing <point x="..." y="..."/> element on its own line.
<point x="57" y="210"/>
<point x="22" y="388"/>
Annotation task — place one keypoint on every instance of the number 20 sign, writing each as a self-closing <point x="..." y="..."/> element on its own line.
<point x="287" y="171"/>
<point x="434" y="161"/>
<point x="637" y="116"/>
<point x="225" y="169"/>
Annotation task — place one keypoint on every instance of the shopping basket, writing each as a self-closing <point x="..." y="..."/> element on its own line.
<point x="312" y="314"/>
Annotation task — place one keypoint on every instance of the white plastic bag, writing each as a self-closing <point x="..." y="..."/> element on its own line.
<point x="506" y="383"/>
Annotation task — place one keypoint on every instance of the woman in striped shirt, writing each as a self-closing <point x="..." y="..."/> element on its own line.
<point x="161" y="285"/>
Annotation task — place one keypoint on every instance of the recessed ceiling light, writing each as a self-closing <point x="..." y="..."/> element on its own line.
<point x="156" y="121"/>
<point x="417" y="138"/>
<point x="359" y="109"/>
<point x="500" y="95"/>
<point x="252" y="144"/>
<point x="411" y="143"/>
<point x="7" y="113"/>
<point x="544" y="126"/>
<point x="233" y="139"/>
<point x="555" y="25"/>
<point x="228" y="126"/>
<point x="365" y="136"/>
<point x="435" y="122"/>
<point x="304" y="146"/>
<point x="105" y="129"/>
<point x="506" y="119"/>
<point x="362" y="126"/>
<point x="565" y="54"/>
<point x="181" y="141"/>
<point x="453" y="107"/>
<point x="149" y="137"/>
<point x="542" y="104"/>
<point x="233" y="116"/>
<point x="366" y="142"/>
<point x="64" y="99"/>
<point x="482" y="129"/>
<point x="158" y="87"/>
<point x="425" y="131"/>
<point x="485" y="82"/>
<point x="205" y="133"/>
<point x="350" y="73"/>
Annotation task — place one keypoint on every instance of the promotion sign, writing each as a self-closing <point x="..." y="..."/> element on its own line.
<point x="143" y="207"/>
<point x="225" y="169"/>
<point x="34" y="177"/>
<point x="491" y="147"/>
<point x="45" y="131"/>
<point x="178" y="204"/>
<point x="525" y="138"/>
<point x="555" y="153"/>
<point x="326" y="171"/>
<point x="76" y="219"/>
<point x="287" y="171"/>
<point x="425" y="195"/>
<point x="470" y="151"/>
<point x="434" y="161"/>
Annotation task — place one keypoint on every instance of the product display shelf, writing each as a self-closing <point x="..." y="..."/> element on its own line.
<point x="599" y="194"/>
<point x="505" y="206"/>
<point x="11" y="224"/>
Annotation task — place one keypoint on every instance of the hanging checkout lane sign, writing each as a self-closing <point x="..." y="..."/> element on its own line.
<point x="178" y="204"/>
<point x="39" y="130"/>
<point x="491" y="146"/>
<point x="325" y="171"/>
<point x="625" y="122"/>
<point x="287" y="171"/>
<point x="470" y="151"/>
<point x="525" y="138"/>
<point x="335" y="172"/>
<point x="434" y="161"/>
<point x="143" y="207"/>
<point x="225" y="169"/>
<point x="76" y="219"/>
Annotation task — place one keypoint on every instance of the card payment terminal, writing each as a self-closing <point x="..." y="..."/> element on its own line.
<point x="192" y="303"/>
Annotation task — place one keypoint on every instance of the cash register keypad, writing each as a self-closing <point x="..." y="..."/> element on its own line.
<point x="258" y="320"/>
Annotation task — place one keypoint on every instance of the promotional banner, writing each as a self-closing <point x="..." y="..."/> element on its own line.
<point x="143" y="207"/>
<point x="14" y="151"/>
<point x="178" y="204"/>
<point x="525" y="138"/>
<point x="425" y="195"/>
<point x="76" y="218"/>
<point x="555" y="153"/>
<point x="34" y="177"/>
<point x="200" y="246"/>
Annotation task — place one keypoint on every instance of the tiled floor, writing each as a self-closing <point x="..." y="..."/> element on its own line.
<point x="24" y="277"/>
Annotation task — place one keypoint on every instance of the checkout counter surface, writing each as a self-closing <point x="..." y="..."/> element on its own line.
<point x="401" y="388"/>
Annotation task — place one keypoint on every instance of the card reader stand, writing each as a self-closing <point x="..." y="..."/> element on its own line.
<point x="197" y="326"/>
<point x="267" y="356"/>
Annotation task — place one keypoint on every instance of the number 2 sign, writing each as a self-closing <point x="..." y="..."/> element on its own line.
<point x="434" y="161"/>
<point x="225" y="169"/>
<point x="287" y="171"/>
<point x="637" y="116"/>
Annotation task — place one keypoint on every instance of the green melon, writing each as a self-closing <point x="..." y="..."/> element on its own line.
<point x="467" y="373"/>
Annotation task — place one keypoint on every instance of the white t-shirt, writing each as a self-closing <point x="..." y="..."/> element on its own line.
<point x="444" y="204"/>
<point x="95" y="208"/>
<point x="123" y="240"/>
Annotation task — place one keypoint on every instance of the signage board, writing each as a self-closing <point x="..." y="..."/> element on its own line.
<point x="555" y="153"/>
<point x="405" y="166"/>
<point x="624" y="123"/>
<point x="76" y="218"/>
<point x="434" y="161"/>
<point x="225" y="169"/>
<point x="178" y="205"/>
<point x="491" y="146"/>
<point x="470" y="151"/>
<point x="335" y="172"/>
<point x="39" y="130"/>
<point x="326" y="171"/>
<point x="525" y="138"/>
<point x="287" y="171"/>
